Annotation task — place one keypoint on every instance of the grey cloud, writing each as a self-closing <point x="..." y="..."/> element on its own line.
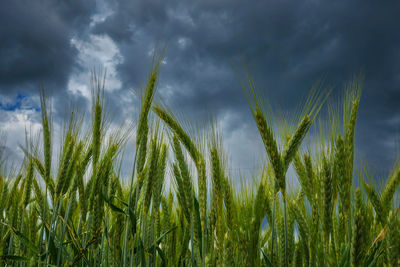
<point x="35" y="46"/>
<point x="287" y="46"/>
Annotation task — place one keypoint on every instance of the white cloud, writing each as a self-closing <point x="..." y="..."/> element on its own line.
<point x="181" y="15"/>
<point x="103" y="12"/>
<point x="243" y="145"/>
<point x="97" y="51"/>
<point x="183" y="42"/>
<point x="15" y="123"/>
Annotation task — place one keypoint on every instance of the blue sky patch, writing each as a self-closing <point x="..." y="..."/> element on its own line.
<point x="20" y="102"/>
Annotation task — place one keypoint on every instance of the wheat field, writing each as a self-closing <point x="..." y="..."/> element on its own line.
<point x="74" y="209"/>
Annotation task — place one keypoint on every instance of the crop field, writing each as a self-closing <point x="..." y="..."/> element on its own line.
<point x="182" y="207"/>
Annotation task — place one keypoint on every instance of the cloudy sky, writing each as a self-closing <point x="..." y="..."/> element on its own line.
<point x="286" y="45"/>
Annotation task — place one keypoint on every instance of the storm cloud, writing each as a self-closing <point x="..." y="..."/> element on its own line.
<point x="286" y="45"/>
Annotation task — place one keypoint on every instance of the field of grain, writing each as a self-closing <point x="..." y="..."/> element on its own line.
<point x="74" y="209"/>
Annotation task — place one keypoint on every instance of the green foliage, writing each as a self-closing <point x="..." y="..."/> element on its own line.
<point x="69" y="214"/>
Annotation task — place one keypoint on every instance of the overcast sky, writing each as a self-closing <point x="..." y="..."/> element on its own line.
<point x="286" y="45"/>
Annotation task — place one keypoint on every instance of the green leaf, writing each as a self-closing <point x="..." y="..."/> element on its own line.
<point x="141" y="251"/>
<point x="159" y="239"/>
<point x="72" y="234"/>
<point x="371" y="258"/>
<point x="132" y="218"/>
<point x="198" y="223"/>
<point x="123" y="202"/>
<point x="345" y="259"/>
<point x="165" y="233"/>
<point x="162" y="255"/>
<point x="14" y="258"/>
<point x="108" y="201"/>
<point x="267" y="262"/>
<point x="29" y="244"/>
<point x="52" y="248"/>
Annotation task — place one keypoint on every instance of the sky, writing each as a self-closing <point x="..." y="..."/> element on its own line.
<point x="287" y="46"/>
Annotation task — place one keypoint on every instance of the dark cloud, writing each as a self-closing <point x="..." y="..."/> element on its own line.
<point x="287" y="46"/>
<point x="35" y="42"/>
